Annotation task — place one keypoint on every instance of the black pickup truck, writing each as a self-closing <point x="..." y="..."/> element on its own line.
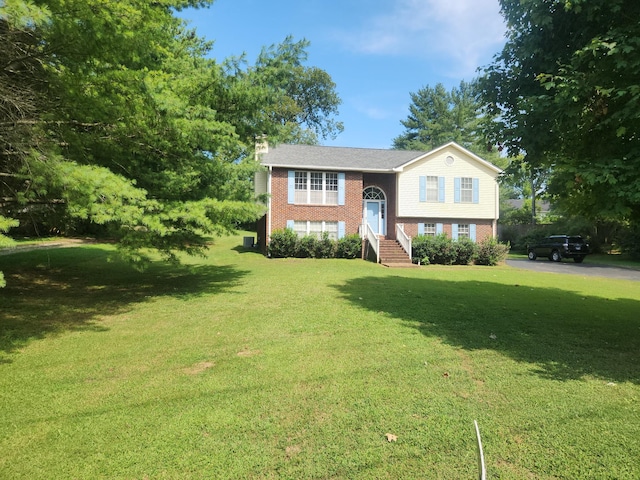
<point x="557" y="247"/>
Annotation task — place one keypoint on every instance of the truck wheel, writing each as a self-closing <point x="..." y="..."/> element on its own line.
<point x="578" y="259"/>
<point x="555" y="256"/>
<point x="532" y="255"/>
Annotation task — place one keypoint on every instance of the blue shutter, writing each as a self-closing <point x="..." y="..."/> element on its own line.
<point x="441" y="189"/>
<point x="454" y="231"/>
<point x="290" y="224"/>
<point x="421" y="229"/>
<point x="472" y="231"/>
<point x="456" y="190"/>
<point x="476" y="190"/>
<point x="341" y="229"/>
<point x="423" y="188"/>
<point x="341" y="189"/>
<point x="291" y="186"/>
<point x="439" y="228"/>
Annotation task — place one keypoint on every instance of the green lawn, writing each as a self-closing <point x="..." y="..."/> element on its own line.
<point x="237" y="366"/>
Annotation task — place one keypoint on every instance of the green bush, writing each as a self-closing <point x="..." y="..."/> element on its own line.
<point x="419" y="248"/>
<point x="491" y="252"/>
<point x="464" y="251"/>
<point x="442" y="250"/>
<point x="628" y="241"/>
<point x="432" y="250"/>
<point x="283" y="243"/>
<point x="306" y="246"/>
<point x="325" y="247"/>
<point x="349" y="246"/>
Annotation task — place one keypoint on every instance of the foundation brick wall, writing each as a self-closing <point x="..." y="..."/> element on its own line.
<point x="350" y="212"/>
<point x="484" y="228"/>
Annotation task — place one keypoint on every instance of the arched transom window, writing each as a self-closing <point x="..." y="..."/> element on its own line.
<point x="372" y="193"/>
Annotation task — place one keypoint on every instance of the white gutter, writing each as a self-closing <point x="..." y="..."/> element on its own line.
<point x="331" y="168"/>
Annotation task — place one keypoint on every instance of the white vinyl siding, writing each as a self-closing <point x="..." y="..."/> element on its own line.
<point x="412" y="205"/>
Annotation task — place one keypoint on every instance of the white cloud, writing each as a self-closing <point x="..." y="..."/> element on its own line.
<point x="464" y="32"/>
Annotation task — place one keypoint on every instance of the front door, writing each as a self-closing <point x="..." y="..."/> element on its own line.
<point x="374" y="208"/>
<point x="375" y="217"/>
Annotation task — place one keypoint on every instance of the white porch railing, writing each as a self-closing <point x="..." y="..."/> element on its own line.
<point x="367" y="232"/>
<point x="403" y="238"/>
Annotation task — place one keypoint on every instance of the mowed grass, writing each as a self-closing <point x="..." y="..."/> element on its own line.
<point x="238" y="366"/>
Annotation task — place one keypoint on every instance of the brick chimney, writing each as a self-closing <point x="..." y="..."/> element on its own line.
<point x="262" y="146"/>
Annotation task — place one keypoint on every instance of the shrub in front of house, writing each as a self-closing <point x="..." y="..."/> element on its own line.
<point x="491" y="252"/>
<point x="283" y="243"/>
<point x="464" y="251"/>
<point x="419" y="249"/>
<point x="349" y="246"/>
<point x="286" y="243"/>
<point x="443" y="250"/>
<point x="306" y="247"/>
<point x="325" y="247"/>
<point x="438" y="249"/>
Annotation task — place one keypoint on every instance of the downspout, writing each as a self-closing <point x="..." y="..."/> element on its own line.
<point x="268" y="232"/>
<point x="497" y="212"/>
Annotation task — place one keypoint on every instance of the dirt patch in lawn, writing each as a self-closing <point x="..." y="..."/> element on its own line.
<point x="198" y="368"/>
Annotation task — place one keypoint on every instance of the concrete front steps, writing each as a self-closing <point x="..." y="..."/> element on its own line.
<point x="393" y="255"/>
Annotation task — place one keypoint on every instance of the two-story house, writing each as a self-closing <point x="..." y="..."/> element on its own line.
<point x="380" y="194"/>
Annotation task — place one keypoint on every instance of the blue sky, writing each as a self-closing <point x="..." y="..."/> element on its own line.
<point x="376" y="51"/>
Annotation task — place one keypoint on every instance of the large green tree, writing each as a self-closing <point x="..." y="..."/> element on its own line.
<point x="115" y="115"/>
<point x="565" y="91"/>
<point x="437" y="116"/>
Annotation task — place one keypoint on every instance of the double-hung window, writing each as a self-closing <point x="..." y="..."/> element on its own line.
<point x="318" y="188"/>
<point x="432" y="189"/>
<point x="463" y="230"/>
<point x="316" y="229"/>
<point x="430" y="229"/>
<point x="466" y="190"/>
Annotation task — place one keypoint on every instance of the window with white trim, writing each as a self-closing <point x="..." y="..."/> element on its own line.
<point x="372" y="193"/>
<point x="432" y="189"/>
<point x="430" y="229"/>
<point x="316" y="229"/>
<point x="466" y="190"/>
<point x="318" y="188"/>
<point x="463" y="230"/>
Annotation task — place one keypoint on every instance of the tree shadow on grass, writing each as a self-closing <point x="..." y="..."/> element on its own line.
<point x="68" y="289"/>
<point x="564" y="334"/>
<point x="241" y="249"/>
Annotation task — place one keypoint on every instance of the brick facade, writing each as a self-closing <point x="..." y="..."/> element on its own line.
<point x="484" y="228"/>
<point x="282" y="210"/>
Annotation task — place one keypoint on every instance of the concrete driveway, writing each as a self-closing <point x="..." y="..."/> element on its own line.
<point x="570" y="267"/>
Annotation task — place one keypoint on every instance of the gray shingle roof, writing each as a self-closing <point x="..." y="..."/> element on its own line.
<point x="343" y="158"/>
